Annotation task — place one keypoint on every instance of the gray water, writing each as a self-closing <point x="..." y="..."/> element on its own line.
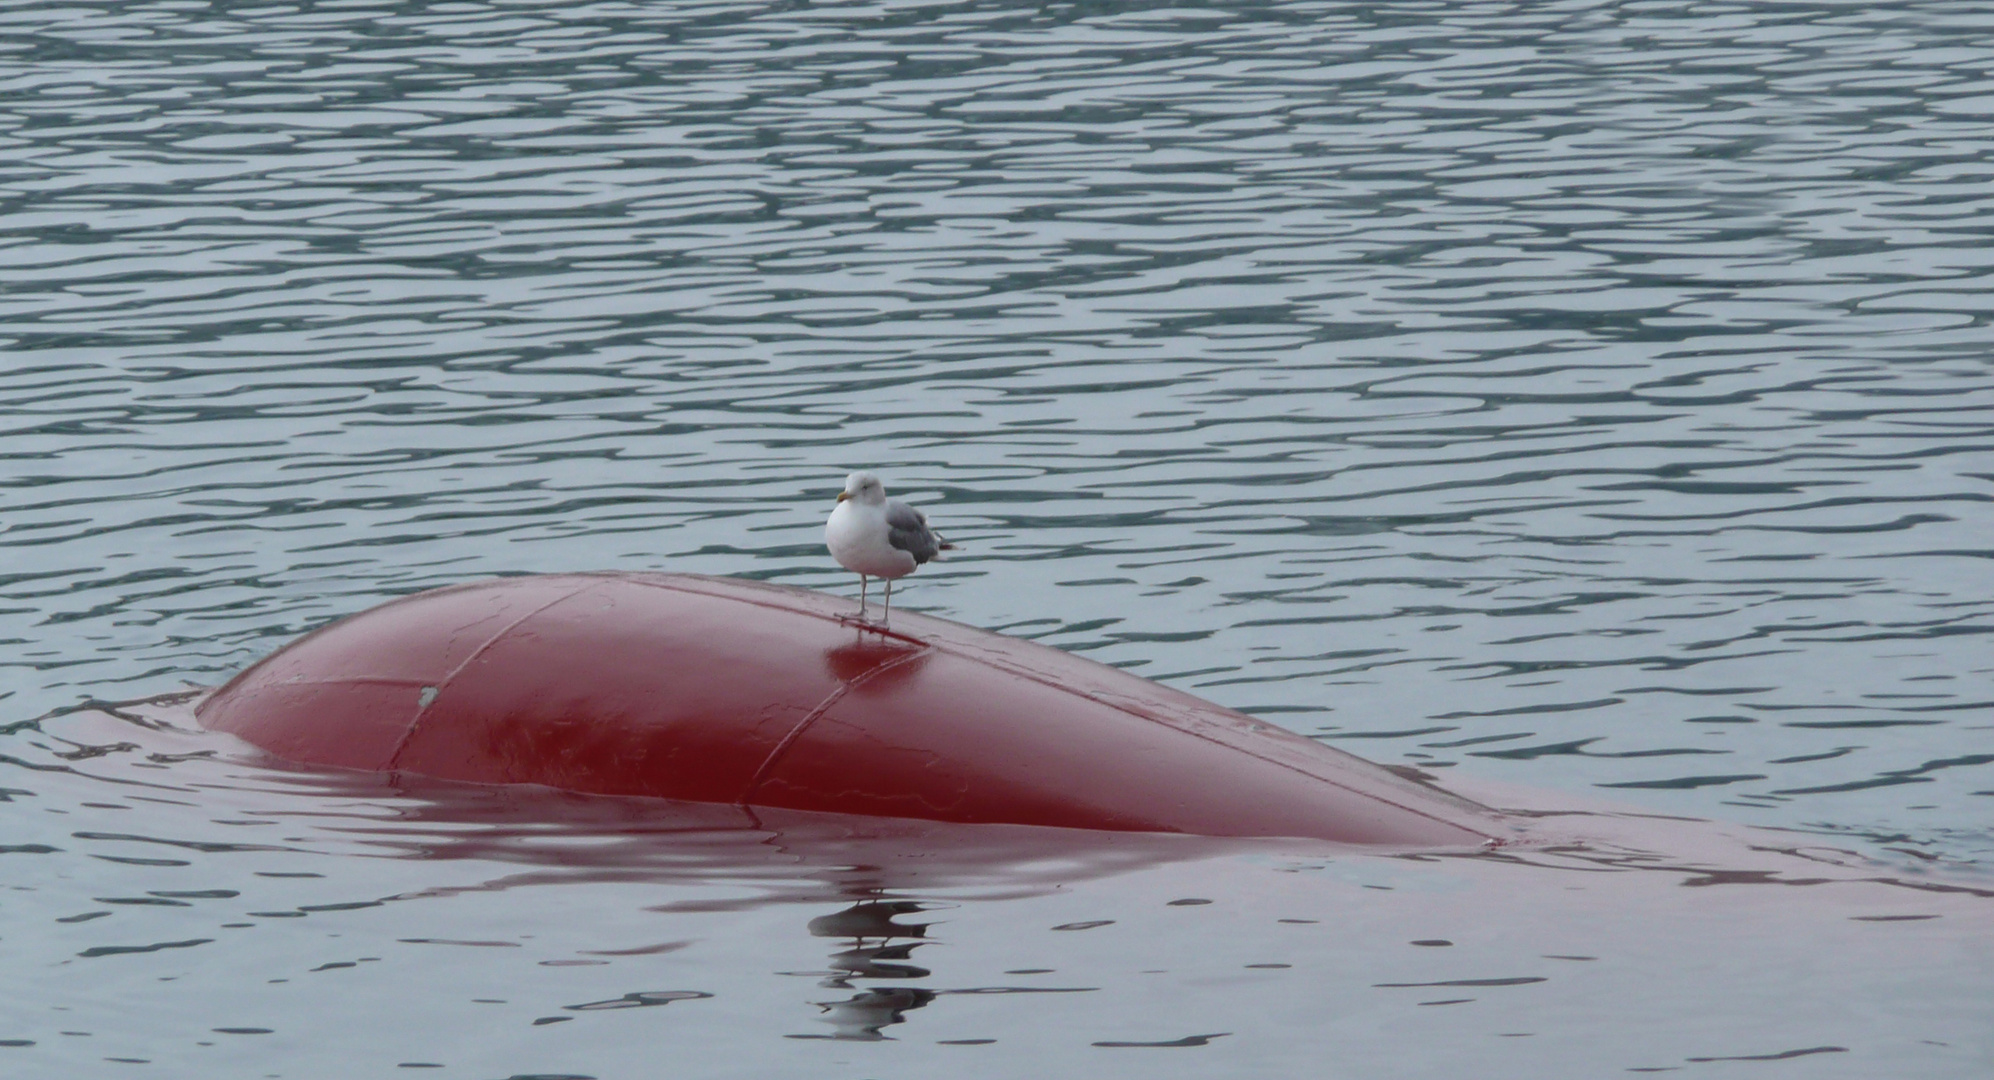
<point x="1592" y="397"/>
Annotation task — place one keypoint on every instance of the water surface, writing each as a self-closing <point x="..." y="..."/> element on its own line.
<point x="1592" y="397"/>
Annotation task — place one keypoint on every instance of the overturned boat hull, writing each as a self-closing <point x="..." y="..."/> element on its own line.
<point x="729" y="691"/>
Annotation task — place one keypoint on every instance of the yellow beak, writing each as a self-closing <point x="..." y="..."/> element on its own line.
<point x="843" y="495"/>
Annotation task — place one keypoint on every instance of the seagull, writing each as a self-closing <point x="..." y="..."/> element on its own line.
<point x="874" y="536"/>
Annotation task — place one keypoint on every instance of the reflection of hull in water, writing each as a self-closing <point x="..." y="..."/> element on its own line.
<point x="725" y="691"/>
<point x="788" y="856"/>
<point x="900" y="937"/>
<point x="563" y="837"/>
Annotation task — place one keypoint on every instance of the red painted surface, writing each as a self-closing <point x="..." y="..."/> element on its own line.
<point x="729" y="691"/>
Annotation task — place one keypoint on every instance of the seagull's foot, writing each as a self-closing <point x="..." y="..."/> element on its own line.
<point x="861" y="619"/>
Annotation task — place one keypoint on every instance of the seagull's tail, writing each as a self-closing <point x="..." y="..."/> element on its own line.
<point x="944" y="546"/>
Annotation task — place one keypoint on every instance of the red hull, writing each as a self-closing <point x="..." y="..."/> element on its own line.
<point x="729" y="691"/>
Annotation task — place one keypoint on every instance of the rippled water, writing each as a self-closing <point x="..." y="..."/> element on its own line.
<point x="1587" y="396"/>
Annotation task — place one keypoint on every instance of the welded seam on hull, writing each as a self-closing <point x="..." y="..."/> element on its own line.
<point x="246" y="674"/>
<point x="356" y="680"/>
<point x="415" y="721"/>
<point x="835" y="696"/>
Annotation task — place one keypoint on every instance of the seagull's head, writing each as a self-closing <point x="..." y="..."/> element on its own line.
<point x="865" y="487"/>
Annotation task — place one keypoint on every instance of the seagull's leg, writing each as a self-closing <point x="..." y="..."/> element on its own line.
<point x="888" y="617"/>
<point x="863" y="580"/>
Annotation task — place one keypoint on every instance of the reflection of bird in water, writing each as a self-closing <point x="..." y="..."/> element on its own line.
<point x="874" y="536"/>
<point x="862" y="1017"/>
<point x="870" y="919"/>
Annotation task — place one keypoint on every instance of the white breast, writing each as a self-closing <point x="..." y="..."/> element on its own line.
<point x="856" y="535"/>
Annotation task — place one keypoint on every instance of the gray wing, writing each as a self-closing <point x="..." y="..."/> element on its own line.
<point x="908" y="530"/>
